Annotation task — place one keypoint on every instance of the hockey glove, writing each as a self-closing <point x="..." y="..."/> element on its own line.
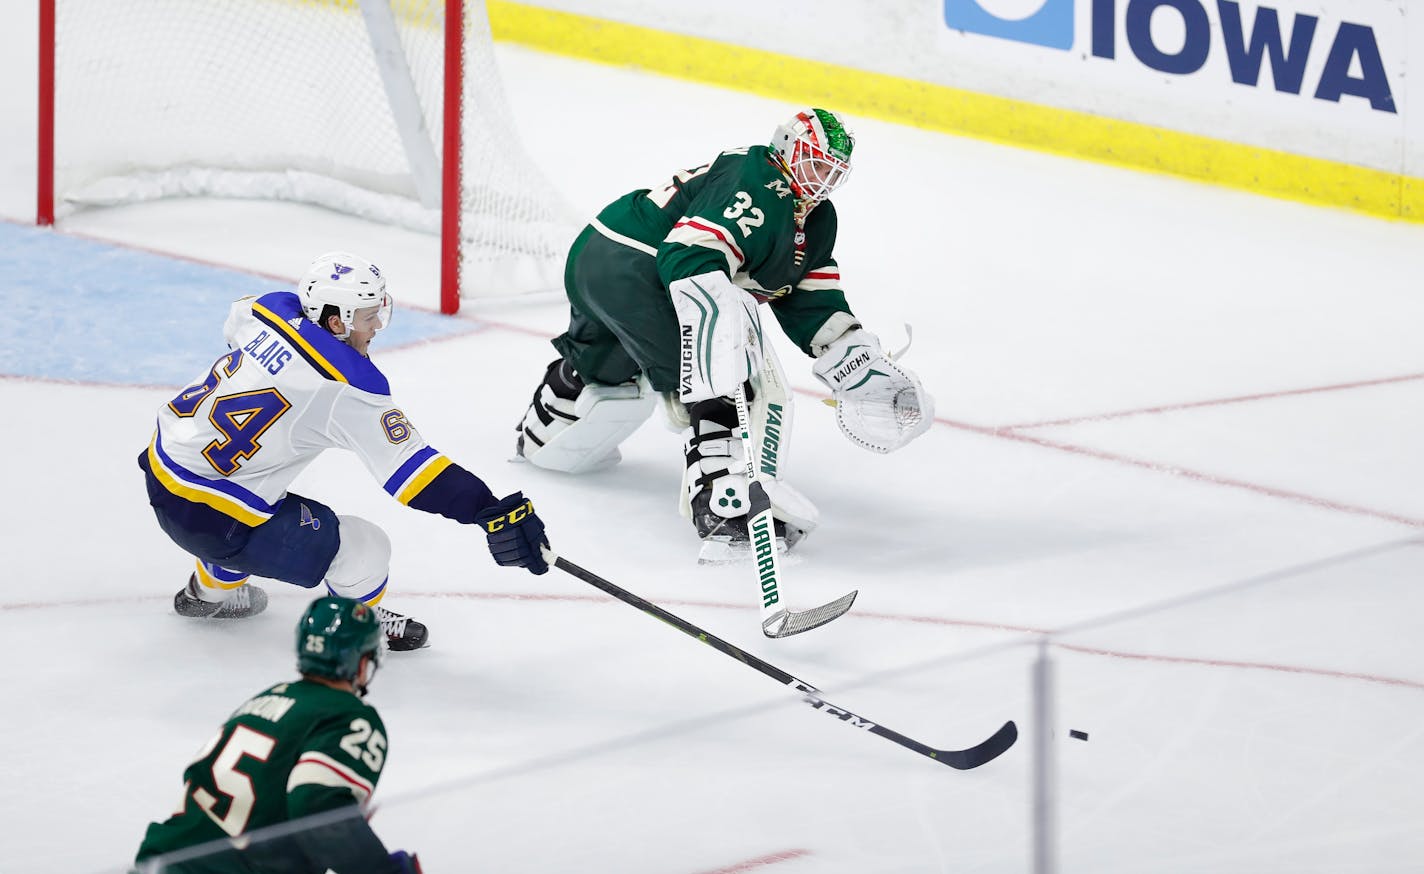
<point x="406" y="863"/>
<point x="515" y="533"/>
<point x="879" y="404"/>
<point x="721" y="336"/>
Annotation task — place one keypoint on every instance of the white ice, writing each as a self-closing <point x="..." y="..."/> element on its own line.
<point x="1276" y="726"/>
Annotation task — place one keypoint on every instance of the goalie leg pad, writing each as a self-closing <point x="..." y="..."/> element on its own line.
<point x="772" y="413"/>
<point x="575" y="428"/>
<point x="714" y="482"/>
<point x="721" y="340"/>
<point x="714" y="493"/>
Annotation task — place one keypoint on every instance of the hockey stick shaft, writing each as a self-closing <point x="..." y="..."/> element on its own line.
<point x="962" y="760"/>
<point x="777" y="618"/>
<point x="760" y="525"/>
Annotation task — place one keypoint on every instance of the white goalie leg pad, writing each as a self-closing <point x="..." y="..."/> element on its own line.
<point x="362" y="562"/>
<point x="772" y="412"/>
<point x="603" y="416"/>
<point x="791" y="507"/>
<point x="676" y="418"/>
<point x="722" y="458"/>
<point x="721" y="340"/>
<point x="715" y="463"/>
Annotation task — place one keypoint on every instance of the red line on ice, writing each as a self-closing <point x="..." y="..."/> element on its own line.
<point x="1328" y="673"/>
<point x="760" y="862"/>
<point x="1215" y="402"/>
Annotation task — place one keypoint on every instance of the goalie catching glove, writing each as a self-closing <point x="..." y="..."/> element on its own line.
<point x="879" y="404"/>
<point x="515" y="533"/>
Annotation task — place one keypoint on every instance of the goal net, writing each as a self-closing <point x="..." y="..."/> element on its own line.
<point x="353" y="105"/>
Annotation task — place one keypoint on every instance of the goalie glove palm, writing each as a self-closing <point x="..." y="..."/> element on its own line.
<point x="879" y="404"/>
<point x="515" y="533"/>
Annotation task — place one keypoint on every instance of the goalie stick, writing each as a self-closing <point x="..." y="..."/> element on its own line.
<point x="961" y="760"/>
<point x="777" y="620"/>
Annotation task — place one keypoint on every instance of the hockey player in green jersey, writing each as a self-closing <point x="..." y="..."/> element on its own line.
<point x="310" y="748"/>
<point x="664" y="287"/>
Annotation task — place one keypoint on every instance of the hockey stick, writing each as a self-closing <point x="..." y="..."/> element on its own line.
<point x="777" y="620"/>
<point x="961" y="760"/>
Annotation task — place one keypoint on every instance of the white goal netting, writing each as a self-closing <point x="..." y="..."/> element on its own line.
<point x="337" y="103"/>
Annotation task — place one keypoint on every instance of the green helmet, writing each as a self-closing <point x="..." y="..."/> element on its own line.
<point x="332" y="636"/>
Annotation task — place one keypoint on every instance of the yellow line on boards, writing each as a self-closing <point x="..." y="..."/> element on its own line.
<point x="950" y="110"/>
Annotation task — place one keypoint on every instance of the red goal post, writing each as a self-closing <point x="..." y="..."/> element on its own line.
<point x="391" y="110"/>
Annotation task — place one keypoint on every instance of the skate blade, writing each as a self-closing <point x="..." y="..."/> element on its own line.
<point x="607" y="462"/>
<point x="725" y="552"/>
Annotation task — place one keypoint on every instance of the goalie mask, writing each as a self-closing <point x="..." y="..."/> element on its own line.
<point x="814" y="148"/>
<point x="339" y="283"/>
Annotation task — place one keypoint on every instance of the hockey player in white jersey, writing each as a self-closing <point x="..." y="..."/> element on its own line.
<point x="296" y="382"/>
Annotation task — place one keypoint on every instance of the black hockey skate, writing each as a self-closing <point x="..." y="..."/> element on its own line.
<point x="244" y="601"/>
<point x="725" y="539"/>
<point x="402" y="632"/>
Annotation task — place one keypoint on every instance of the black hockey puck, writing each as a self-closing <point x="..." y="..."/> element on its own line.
<point x="1079" y="735"/>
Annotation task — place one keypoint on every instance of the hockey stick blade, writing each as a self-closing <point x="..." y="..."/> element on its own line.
<point x="785" y="623"/>
<point x="960" y="760"/>
<point x="777" y="619"/>
<point x="981" y="753"/>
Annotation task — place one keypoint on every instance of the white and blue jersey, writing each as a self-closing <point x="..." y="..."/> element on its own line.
<point x="236" y="439"/>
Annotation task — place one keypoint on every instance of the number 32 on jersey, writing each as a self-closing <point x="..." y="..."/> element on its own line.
<point x="745" y="218"/>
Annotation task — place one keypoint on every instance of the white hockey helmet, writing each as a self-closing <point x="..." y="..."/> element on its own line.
<point x="346" y="283"/>
<point x="815" y="148"/>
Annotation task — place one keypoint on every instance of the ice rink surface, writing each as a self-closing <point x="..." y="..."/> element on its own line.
<point x="1178" y="425"/>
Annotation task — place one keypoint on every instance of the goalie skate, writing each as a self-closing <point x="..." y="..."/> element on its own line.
<point x="715" y="490"/>
<point x="726" y="540"/>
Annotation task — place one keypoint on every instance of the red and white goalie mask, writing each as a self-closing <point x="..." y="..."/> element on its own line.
<point x="815" y="149"/>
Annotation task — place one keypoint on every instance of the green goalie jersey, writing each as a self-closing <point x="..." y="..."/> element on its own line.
<point x="295" y="749"/>
<point x="738" y="215"/>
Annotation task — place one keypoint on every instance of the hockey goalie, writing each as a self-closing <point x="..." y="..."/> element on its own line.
<point x="666" y="288"/>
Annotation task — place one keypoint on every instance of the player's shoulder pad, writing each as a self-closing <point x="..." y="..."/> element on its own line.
<point x="822" y="222"/>
<point x="749" y="171"/>
<point x="761" y="178"/>
<point x="281" y="312"/>
<point x="336" y="707"/>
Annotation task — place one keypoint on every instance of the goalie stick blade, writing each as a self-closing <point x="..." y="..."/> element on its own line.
<point x="981" y="753"/>
<point x="785" y="623"/>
